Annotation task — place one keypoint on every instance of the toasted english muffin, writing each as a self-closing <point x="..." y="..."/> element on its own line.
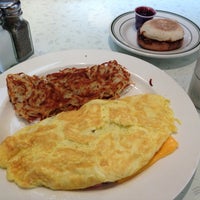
<point x="103" y="141"/>
<point x="161" y="35"/>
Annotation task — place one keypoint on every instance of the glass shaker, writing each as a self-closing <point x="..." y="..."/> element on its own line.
<point x="194" y="89"/>
<point x="19" y="29"/>
<point x="7" y="51"/>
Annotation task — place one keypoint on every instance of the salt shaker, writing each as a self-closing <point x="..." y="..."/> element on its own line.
<point x="18" y="28"/>
<point x="194" y="89"/>
<point x="7" y="51"/>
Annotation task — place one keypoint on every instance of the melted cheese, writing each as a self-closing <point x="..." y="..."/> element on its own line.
<point x="167" y="148"/>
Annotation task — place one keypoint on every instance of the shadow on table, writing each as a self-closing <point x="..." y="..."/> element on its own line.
<point x="162" y="63"/>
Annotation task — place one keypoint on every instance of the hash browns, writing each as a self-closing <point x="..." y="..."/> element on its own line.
<point x="36" y="98"/>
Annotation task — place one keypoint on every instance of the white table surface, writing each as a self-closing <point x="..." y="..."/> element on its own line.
<point x="58" y="25"/>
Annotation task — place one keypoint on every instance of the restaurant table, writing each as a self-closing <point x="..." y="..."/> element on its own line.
<point x="58" y="25"/>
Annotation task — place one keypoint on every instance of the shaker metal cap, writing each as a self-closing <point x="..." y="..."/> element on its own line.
<point x="7" y="3"/>
<point x="1" y="16"/>
<point x="11" y="7"/>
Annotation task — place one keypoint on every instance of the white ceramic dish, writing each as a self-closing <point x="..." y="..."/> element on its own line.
<point x="164" y="180"/>
<point x="124" y="33"/>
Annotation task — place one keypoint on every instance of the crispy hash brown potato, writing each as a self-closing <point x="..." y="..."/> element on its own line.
<point x="104" y="141"/>
<point x="35" y="97"/>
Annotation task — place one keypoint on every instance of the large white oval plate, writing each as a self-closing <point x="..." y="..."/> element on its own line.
<point x="164" y="180"/>
<point x="124" y="33"/>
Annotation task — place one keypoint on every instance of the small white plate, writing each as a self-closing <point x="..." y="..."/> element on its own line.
<point x="162" y="181"/>
<point x="124" y="33"/>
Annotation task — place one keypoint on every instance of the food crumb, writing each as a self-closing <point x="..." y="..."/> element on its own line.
<point x="150" y="82"/>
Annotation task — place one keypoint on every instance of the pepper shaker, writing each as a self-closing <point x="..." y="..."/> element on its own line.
<point x="18" y="28"/>
<point x="7" y="51"/>
<point x="194" y="88"/>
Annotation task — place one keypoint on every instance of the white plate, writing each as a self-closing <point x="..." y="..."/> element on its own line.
<point x="124" y="33"/>
<point x="165" y="179"/>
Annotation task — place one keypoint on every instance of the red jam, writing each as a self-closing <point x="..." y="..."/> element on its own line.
<point x="142" y="14"/>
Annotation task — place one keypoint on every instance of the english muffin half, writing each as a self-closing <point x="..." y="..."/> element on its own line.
<point x="161" y="35"/>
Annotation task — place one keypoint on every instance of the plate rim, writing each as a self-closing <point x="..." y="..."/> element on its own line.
<point x="149" y="53"/>
<point x="105" y="54"/>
